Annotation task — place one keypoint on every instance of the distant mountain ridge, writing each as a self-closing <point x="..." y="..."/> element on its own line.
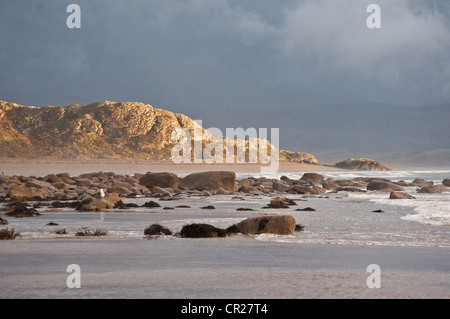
<point x="334" y="132"/>
<point x="128" y="130"/>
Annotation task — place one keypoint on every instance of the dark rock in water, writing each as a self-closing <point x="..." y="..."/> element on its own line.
<point x="208" y="207"/>
<point x="168" y="208"/>
<point x="151" y="204"/>
<point x="242" y="209"/>
<point x="378" y="211"/>
<point x="20" y="210"/>
<point x="61" y="231"/>
<point x="122" y="205"/>
<point x="307" y="209"/>
<point x="157" y="230"/>
<point x="446" y="182"/>
<point x="363" y="164"/>
<point x="182" y="206"/>
<point x="202" y="231"/>
<point x="3" y="221"/>
<point x="299" y="227"/>
<point x="280" y="202"/>
<point x="52" y="224"/>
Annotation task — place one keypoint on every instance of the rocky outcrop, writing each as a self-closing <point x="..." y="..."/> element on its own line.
<point x="446" y="182"/>
<point x="362" y="164"/>
<point x="128" y="130"/>
<point x="297" y="157"/>
<point x="210" y="181"/>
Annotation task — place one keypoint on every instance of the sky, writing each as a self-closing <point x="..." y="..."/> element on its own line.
<point x="242" y="56"/>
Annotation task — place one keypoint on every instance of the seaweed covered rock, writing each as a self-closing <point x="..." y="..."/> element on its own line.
<point x="157" y="230"/>
<point x="20" y="210"/>
<point x="202" y="231"/>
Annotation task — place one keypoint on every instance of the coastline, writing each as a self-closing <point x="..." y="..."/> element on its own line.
<point x="42" y="167"/>
<point x="306" y="266"/>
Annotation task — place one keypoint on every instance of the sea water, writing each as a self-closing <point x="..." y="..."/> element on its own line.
<point x="338" y="218"/>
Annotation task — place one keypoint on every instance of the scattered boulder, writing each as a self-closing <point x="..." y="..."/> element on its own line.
<point x="156" y="190"/>
<point x="212" y="180"/>
<point x="151" y="204"/>
<point x="280" y="202"/>
<point x="378" y="211"/>
<point x="52" y="178"/>
<point x="299" y="227"/>
<point x="307" y="209"/>
<point x="122" y="205"/>
<point x="82" y="182"/>
<point x="162" y="179"/>
<point x="99" y="204"/>
<point x="3" y="221"/>
<point x="112" y="198"/>
<point x="421" y="182"/>
<point x="446" y="182"/>
<point x="434" y="189"/>
<point x="400" y="195"/>
<point x="378" y="185"/>
<point x="312" y="177"/>
<point x="157" y="230"/>
<point x="119" y="190"/>
<point x="40" y="185"/>
<point x="282" y="225"/>
<point x="21" y="192"/>
<point x="202" y="231"/>
<point x="208" y="207"/>
<point x="303" y="189"/>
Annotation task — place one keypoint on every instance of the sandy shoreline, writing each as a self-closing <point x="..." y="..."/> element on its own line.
<point x="185" y="269"/>
<point x="42" y="167"/>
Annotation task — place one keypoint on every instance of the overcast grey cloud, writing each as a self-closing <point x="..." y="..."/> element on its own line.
<point x="199" y="55"/>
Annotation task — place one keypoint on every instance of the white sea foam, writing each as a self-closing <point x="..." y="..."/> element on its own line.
<point x="429" y="209"/>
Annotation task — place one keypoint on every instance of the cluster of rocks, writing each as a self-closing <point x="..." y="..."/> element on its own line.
<point x="281" y="225"/>
<point x="104" y="190"/>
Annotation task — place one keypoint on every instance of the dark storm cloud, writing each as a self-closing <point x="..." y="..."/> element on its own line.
<point x="225" y="55"/>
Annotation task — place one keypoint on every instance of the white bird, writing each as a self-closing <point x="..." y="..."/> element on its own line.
<point x="102" y="193"/>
